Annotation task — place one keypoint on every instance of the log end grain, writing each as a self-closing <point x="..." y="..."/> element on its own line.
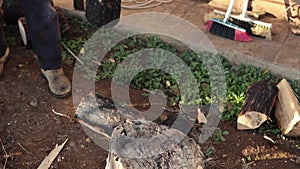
<point x="250" y="120"/>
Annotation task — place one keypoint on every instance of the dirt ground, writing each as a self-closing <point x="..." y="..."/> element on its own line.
<point x="29" y="129"/>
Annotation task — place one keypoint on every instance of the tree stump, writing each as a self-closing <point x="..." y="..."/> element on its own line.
<point x="287" y="110"/>
<point x="98" y="112"/>
<point x="144" y="144"/>
<point x="256" y="109"/>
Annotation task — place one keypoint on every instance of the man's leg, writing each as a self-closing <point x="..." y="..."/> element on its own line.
<point x="43" y="27"/>
<point x="4" y="50"/>
<point x="44" y="32"/>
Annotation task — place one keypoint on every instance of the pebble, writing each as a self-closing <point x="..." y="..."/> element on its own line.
<point x="224" y="155"/>
<point x="295" y="30"/>
<point x="88" y="140"/>
<point x="33" y="103"/>
<point x="297" y="160"/>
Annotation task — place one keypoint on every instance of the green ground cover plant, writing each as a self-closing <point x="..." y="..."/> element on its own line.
<point x="238" y="77"/>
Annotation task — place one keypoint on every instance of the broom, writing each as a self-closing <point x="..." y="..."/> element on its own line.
<point x="227" y="29"/>
<point x="253" y="27"/>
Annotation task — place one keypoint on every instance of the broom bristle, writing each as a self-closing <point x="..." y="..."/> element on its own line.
<point x="253" y="27"/>
<point x="227" y="31"/>
<point x="242" y="36"/>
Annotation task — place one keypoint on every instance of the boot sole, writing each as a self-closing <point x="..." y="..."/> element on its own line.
<point x="53" y="94"/>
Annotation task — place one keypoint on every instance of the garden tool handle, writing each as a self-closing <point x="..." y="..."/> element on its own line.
<point x="229" y="9"/>
<point x="245" y="7"/>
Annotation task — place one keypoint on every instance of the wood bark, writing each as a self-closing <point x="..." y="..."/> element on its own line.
<point x="287" y="110"/>
<point x="144" y="144"/>
<point x="256" y="109"/>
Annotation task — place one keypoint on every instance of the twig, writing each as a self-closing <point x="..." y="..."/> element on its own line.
<point x="268" y="138"/>
<point x="24" y="149"/>
<point x="249" y="163"/>
<point x="6" y="155"/>
<point x="72" y="53"/>
<point x="96" y="129"/>
<point x="97" y="63"/>
<point x="60" y="114"/>
<point x="172" y="111"/>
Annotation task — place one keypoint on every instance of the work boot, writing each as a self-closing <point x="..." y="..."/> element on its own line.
<point x="3" y="60"/>
<point x="58" y="83"/>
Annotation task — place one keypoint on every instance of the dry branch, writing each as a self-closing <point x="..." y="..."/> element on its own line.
<point x="287" y="110"/>
<point x="256" y="109"/>
<point x="6" y="155"/>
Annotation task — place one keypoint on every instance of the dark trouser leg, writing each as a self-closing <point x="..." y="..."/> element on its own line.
<point x="3" y="43"/>
<point x="44" y="32"/>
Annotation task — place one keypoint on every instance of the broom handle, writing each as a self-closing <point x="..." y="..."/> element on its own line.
<point x="244" y="12"/>
<point x="229" y="9"/>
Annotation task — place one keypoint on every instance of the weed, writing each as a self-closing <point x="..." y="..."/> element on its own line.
<point x="208" y="152"/>
<point x="220" y="135"/>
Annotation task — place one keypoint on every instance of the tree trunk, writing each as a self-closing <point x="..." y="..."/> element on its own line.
<point x="256" y="109"/>
<point x="144" y="144"/>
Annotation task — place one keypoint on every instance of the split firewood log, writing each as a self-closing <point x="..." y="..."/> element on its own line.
<point x="256" y="109"/>
<point x="145" y="144"/>
<point x="287" y="110"/>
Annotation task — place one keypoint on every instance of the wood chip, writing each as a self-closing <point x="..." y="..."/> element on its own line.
<point x="46" y="163"/>
<point x="201" y="117"/>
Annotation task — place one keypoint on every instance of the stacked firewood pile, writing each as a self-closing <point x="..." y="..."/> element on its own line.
<point x="288" y="10"/>
<point x="265" y="97"/>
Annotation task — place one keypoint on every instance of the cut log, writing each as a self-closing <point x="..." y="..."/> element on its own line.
<point x="287" y="110"/>
<point x="144" y="144"/>
<point x="256" y="109"/>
